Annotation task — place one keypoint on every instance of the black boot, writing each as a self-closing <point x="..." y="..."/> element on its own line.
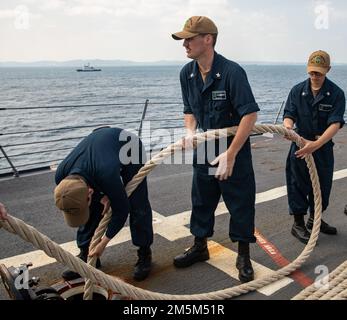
<point x="198" y="252"/>
<point x="69" y="275"/>
<point x="299" y="230"/>
<point x="144" y="264"/>
<point x="324" y="227"/>
<point x="243" y="263"/>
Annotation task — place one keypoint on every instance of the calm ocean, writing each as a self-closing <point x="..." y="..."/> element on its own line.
<point x="40" y="87"/>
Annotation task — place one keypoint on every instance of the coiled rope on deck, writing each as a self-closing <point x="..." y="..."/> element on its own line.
<point x="332" y="287"/>
<point x="115" y="284"/>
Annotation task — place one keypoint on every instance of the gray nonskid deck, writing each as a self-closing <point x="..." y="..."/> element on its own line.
<point x="30" y="198"/>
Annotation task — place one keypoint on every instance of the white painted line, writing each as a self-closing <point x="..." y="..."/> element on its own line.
<point x="270" y="195"/>
<point x="225" y="259"/>
<point x="340" y="174"/>
<point x="39" y="258"/>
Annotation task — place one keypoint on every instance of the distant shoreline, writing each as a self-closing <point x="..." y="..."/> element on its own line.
<point x="121" y="63"/>
<point x="153" y="66"/>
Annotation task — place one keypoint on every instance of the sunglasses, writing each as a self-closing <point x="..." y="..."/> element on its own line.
<point x="315" y="74"/>
<point x="197" y="36"/>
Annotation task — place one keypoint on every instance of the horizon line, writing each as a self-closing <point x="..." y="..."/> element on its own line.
<point x="178" y="62"/>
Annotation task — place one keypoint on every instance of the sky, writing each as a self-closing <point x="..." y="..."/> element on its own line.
<point x="140" y="30"/>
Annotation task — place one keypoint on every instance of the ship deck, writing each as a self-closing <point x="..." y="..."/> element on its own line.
<point x="30" y="198"/>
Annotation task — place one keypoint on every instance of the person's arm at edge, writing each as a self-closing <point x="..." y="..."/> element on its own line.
<point x="3" y="212"/>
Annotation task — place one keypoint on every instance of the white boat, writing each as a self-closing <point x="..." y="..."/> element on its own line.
<point x="88" y="68"/>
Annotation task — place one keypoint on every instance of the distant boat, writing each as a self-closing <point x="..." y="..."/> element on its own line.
<point x="88" y="68"/>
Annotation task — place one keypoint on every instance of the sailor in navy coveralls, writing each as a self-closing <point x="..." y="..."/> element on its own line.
<point x="94" y="175"/>
<point x="316" y="107"/>
<point x="216" y="94"/>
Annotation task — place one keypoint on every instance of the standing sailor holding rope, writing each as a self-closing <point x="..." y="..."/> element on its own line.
<point x="216" y="95"/>
<point x="316" y="106"/>
<point x="92" y="179"/>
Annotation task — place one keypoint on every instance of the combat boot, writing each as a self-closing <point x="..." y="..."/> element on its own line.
<point x="324" y="227"/>
<point x="301" y="233"/>
<point x="243" y="262"/>
<point x="299" y="230"/>
<point x="244" y="265"/>
<point x="144" y="264"/>
<point x="69" y="275"/>
<point x="198" y="252"/>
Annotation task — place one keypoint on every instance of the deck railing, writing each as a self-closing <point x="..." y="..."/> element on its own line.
<point x="10" y="163"/>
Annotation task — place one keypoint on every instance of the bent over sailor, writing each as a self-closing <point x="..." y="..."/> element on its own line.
<point x="91" y="179"/>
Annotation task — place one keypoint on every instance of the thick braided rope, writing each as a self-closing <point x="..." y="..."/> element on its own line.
<point x="338" y="291"/>
<point x="98" y="234"/>
<point x="133" y="184"/>
<point x="342" y="295"/>
<point x="332" y="286"/>
<point x="52" y="249"/>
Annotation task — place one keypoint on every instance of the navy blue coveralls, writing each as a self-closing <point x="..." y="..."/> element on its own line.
<point x="312" y="117"/>
<point x="220" y="102"/>
<point x="97" y="159"/>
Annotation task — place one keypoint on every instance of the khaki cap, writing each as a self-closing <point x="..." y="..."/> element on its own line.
<point x="71" y="197"/>
<point x="319" y="61"/>
<point x="194" y="26"/>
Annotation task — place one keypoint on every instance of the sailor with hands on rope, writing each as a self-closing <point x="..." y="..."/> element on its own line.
<point x="217" y="95"/>
<point x="92" y="179"/>
<point x="316" y="106"/>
